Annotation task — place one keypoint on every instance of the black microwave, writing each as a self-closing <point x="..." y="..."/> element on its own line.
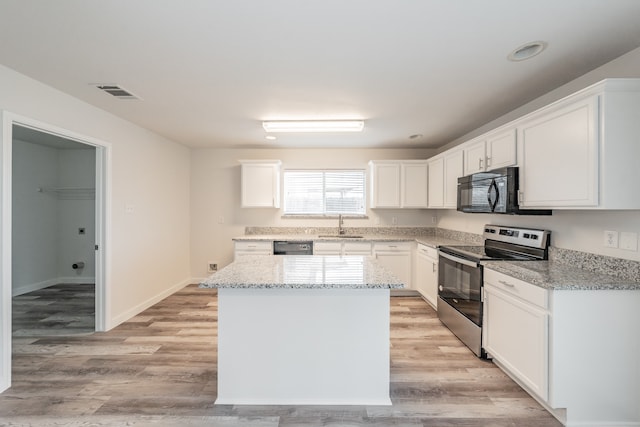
<point x="494" y="191"/>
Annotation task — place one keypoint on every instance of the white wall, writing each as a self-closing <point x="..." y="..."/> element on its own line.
<point x="35" y="216"/>
<point x="149" y="251"/>
<point x="76" y="169"/>
<point x="215" y="189"/>
<point x="578" y="230"/>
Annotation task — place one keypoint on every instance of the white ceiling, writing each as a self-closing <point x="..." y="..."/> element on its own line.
<point x="209" y="71"/>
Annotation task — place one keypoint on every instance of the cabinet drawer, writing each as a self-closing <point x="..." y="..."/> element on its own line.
<point x="254" y="246"/>
<point x="428" y="251"/>
<point x="357" y="247"/>
<point x="393" y="247"/>
<point x="327" y="246"/>
<point x="523" y="290"/>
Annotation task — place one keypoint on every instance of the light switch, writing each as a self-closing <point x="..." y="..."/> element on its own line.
<point x="629" y="241"/>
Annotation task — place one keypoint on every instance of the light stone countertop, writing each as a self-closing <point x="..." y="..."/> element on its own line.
<point x="559" y="276"/>
<point x="303" y="272"/>
<point x="432" y="241"/>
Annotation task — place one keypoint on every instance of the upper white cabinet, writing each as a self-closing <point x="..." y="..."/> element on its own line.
<point x="444" y="172"/>
<point x="413" y="184"/>
<point x="260" y="183"/>
<point x="582" y="152"/>
<point x="501" y="149"/>
<point x="475" y="157"/>
<point x="398" y="184"/>
<point x="491" y="151"/>
<point x="453" y="169"/>
<point x="436" y="182"/>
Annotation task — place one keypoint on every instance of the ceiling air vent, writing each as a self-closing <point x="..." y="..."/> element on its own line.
<point x="117" y="91"/>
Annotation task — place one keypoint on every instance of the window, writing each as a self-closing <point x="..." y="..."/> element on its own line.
<point x="319" y="192"/>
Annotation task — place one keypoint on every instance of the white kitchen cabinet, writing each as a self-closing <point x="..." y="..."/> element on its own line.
<point x="436" y="182"/>
<point x="453" y="169"/>
<point x="385" y="184"/>
<point x="327" y="248"/>
<point x="475" y="157"/>
<point x="242" y="248"/>
<point x="396" y="256"/>
<point x="398" y="184"/>
<point x="491" y="151"/>
<point x="260" y="183"/>
<point x="501" y="149"/>
<point x="515" y="329"/>
<point x="581" y="152"/>
<point x="345" y="247"/>
<point x="426" y="278"/>
<point x="444" y="172"/>
<point x="414" y="184"/>
<point x="576" y="350"/>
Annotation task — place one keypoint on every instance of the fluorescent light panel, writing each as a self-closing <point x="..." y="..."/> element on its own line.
<point x="314" y="126"/>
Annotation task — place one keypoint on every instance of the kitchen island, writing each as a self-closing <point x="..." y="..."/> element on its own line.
<point x="305" y="330"/>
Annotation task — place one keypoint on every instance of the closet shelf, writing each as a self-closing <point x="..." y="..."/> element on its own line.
<point x="69" y="192"/>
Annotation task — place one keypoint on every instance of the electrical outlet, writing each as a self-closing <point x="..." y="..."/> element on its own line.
<point x="629" y="241"/>
<point x="212" y="267"/>
<point x="394" y="220"/>
<point x="434" y="220"/>
<point x="610" y="239"/>
<point x="221" y="219"/>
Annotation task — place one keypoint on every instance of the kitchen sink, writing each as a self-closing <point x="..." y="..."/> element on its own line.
<point x="341" y="236"/>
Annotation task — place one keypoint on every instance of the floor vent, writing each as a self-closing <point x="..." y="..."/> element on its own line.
<point x="117" y="91"/>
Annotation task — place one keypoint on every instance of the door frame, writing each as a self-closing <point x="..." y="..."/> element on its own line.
<point x="102" y="223"/>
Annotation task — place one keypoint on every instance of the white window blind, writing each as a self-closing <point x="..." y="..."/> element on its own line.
<point x="324" y="192"/>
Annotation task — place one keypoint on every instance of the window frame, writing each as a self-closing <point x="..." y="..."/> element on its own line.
<point x="286" y="214"/>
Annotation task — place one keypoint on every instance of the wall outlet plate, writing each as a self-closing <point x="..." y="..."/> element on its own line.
<point x="610" y="239"/>
<point x="629" y="241"/>
<point x="212" y="267"/>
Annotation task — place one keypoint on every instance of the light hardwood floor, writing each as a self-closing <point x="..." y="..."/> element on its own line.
<point x="159" y="369"/>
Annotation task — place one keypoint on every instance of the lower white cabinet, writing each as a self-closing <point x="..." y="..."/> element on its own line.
<point x="341" y="248"/>
<point x="252" y="248"/>
<point x="516" y="329"/>
<point x="426" y="278"/>
<point x="396" y="256"/>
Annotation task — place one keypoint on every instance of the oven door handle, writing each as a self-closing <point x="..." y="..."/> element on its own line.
<point x="459" y="260"/>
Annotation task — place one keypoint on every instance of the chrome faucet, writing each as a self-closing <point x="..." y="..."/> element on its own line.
<point x="340" y="224"/>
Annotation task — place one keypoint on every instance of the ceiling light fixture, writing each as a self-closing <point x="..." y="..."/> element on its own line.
<point x="314" y="126"/>
<point x="527" y="51"/>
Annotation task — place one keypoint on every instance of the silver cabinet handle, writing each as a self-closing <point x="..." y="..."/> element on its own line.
<point x="479" y="163"/>
<point x="488" y="161"/>
<point x="434" y="266"/>
<point x="502" y="282"/>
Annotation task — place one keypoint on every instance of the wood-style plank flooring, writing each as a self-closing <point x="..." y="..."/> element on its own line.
<point x="159" y="369"/>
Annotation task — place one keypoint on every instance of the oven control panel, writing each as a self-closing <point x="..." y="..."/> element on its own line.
<point x="520" y="236"/>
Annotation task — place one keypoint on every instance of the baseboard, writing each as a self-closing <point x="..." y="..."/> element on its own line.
<point x="30" y="287"/>
<point x="134" y="311"/>
<point x="197" y="280"/>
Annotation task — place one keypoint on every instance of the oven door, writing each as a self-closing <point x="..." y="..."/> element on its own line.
<point x="460" y="285"/>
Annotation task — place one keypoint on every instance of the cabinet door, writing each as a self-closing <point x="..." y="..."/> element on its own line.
<point x="558" y="157"/>
<point x="260" y="185"/>
<point x="453" y="169"/>
<point x="414" y="185"/>
<point x="474" y="158"/>
<point x="436" y="183"/>
<point x="427" y="275"/>
<point x="385" y="185"/>
<point x="327" y="248"/>
<point x="501" y="150"/>
<point x="515" y="334"/>
<point x="397" y="258"/>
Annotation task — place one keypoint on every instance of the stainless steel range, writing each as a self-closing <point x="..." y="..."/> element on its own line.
<point x="460" y="276"/>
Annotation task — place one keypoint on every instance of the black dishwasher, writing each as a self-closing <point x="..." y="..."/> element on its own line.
<point x="284" y="247"/>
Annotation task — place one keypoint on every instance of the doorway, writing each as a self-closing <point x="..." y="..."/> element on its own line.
<point x="53" y="235"/>
<point x="85" y="260"/>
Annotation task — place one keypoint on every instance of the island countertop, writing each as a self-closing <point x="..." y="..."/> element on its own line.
<point x="303" y="272"/>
